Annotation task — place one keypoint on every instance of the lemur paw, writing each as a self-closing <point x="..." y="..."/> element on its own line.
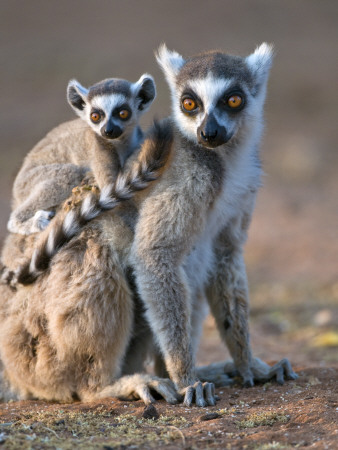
<point x="202" y="394"/>
<point x="214" y="373"/>
<point x="262" y="372"/>
<point x="282" y="371"/>
<point x="41" y="220"/>
<point x="146" y="385"/>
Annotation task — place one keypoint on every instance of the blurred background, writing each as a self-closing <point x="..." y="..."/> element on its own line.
<point x="293" y="243"/>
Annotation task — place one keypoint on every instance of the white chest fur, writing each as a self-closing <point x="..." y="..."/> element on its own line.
<point x="242" y="176"/>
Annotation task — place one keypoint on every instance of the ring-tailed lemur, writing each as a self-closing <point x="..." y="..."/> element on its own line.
<point x="192" y="227"/>
<point x="146" y="167"/>
<point x="188" y="239"/>
<point x="107" y="134"/>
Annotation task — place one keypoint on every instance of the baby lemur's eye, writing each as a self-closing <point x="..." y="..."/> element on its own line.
<point x="95" y="117"/>
<point x="189" y="104"/>
<point x="124" y="114"/>
<point x="235" y="101"/>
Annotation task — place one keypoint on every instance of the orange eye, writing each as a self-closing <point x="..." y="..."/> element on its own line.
<point x="189" y="104"/>
<point x="124" y="114"/>
<point x="234" y="101"/>
<point x="95" y="117"/>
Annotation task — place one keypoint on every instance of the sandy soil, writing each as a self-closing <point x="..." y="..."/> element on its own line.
<point x="300" y="414"/>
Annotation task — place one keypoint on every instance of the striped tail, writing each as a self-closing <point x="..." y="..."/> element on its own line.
<point x="154" y="155"/>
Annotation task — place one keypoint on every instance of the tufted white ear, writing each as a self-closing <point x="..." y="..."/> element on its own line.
<point x="145" y="91"/>
<point x="77" y="96"/>
<point x="170" y="63"/>
<point x="260" y="63"/>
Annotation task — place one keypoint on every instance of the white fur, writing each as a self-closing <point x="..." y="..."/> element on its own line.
<point x="171" y="63"/>
<point x="241" y="173"/>
<point x="106" y="200"/>
<point x="50" y="243"/>
<point x="70" y="225"/>
<point x="121" y="186"/>
<point x="260" y="61"/>
<point x="32" y="266"/>
<point x="88" y="208"/>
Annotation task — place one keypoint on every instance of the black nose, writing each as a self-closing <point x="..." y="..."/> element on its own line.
<point x="209" y="135"/>
<point x="111" y="132"/>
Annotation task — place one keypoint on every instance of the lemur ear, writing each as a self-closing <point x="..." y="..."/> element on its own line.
<point x="76" y="96"/>
<point x="170" y="62"/>
<point x="260" y="63"/>
<point x="145" y="91"/>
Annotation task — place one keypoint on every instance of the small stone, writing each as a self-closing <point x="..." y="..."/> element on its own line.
<point x="210" y="416"/>
<point x="60" y="422"/>
<point x="150" y="412"/>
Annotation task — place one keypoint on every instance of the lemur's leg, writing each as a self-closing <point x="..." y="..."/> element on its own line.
<point x="228" y="299"/>
<point x="172" y="330"/>
<point x="47" y="187"/>
<point x="141" y="343"/>
<point x="229" y="302"/>
<point x="199" y="311"/>
<point x="164" y="288"/>
<point x="213" y="373"/>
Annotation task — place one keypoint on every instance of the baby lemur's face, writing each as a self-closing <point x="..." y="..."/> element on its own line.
<point x="216" y="96"/>
<point x="112" y="107"/>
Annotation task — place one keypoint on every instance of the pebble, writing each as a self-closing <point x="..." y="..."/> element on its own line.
<point x="209" y="416"/>
<point x="150" y="412"/>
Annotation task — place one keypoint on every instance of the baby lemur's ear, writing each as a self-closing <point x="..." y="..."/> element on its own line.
<point x="260" y="63"/>
<point x="77" y="96"/>
<point x="145" y="91"/>
<point x="170" y="63"/>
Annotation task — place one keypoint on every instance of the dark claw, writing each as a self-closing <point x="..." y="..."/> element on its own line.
<point x="199" y="395"/>
<point x="248" y="383"/>
<point x="280" y="375"/>
<point x="292" y="376"/>
<point x="188" y="396"/>
<point x="209" y="394"/>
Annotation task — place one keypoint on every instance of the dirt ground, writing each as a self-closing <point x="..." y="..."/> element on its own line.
<point x="300" y="414"/>
<point x="292" y="248"/>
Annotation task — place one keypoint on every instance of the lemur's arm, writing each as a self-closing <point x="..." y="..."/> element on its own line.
<point x="105" y="163"/>
<point x="42" y="188"/>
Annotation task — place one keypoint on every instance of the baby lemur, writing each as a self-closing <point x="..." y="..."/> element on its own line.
<point x="107" y="134"/>
<point x="143" y="168"/>
<point x="68" y="333"/>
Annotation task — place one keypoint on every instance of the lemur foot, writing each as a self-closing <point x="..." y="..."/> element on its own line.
<point x="38" y="222"/>
<point x="214" y="373"/>
<point x="282" y="370"/>
<point x="262" y="372"/>
<point x="164" y="387"/>
<point x="202" y="394"/>
<point x="141" y="386"/>
<point x="41" y="220"/>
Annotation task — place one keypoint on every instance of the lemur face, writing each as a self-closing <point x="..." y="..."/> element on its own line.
<point x="214" y="95"/>
<point x="112" y="107"/>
